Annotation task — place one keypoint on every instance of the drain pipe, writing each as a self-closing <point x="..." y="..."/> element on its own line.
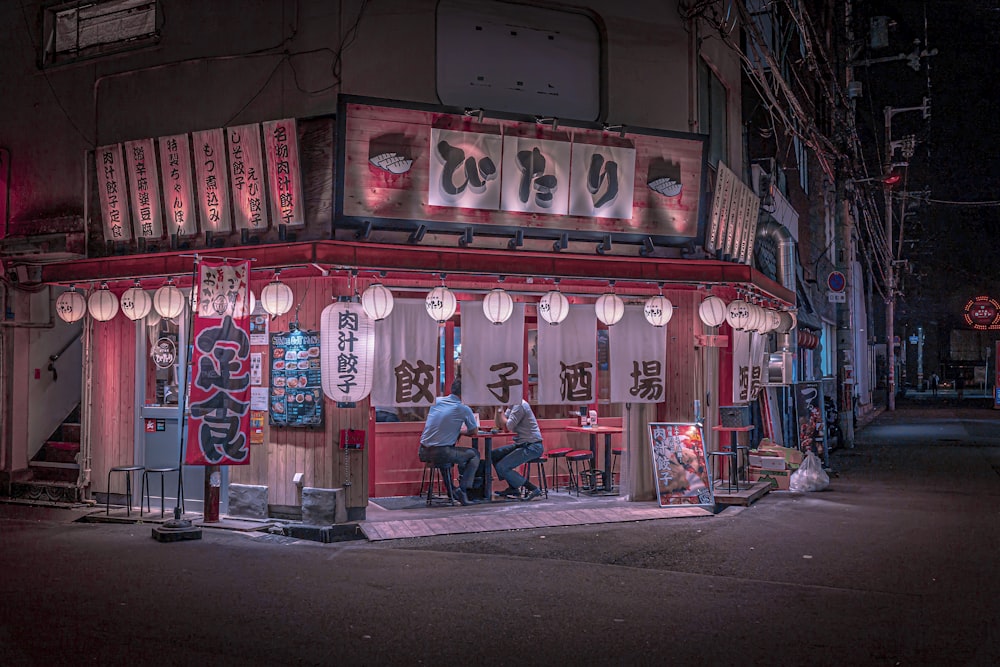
<point x="777" y="232"/>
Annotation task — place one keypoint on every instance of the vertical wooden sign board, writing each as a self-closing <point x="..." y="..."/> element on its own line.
<point x="681" y="465"/>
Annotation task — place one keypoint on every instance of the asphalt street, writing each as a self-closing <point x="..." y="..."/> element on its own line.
<point x="893" y="564"/>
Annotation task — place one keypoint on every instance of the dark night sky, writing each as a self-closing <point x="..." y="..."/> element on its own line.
<point x="953" y="248"/>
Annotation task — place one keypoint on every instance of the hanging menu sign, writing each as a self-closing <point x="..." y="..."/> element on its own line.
<point x="296" y="389"/>
<point x="114" y="202"/>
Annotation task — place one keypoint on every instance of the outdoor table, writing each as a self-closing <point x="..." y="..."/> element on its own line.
<point x="608" y="431"/>
<point x="487" y="435"/>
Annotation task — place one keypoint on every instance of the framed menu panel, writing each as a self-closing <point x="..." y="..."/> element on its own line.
<point x="296" y="389"/>
<point x="681" y="465"/>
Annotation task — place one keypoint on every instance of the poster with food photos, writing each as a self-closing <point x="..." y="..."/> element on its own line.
<point x="296" y="388"/>
<point x="681" y="465"/>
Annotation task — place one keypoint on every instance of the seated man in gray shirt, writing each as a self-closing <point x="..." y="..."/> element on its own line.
<point x="527" y="446"/>
<point x="446" y="421"/>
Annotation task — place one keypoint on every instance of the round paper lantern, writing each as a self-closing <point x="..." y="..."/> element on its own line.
<point x="168" y="301"/>
<point x="738" y="314"/>
<point x="787" y="322"/>
<point x="276" y="298"/>
<point x="153" y="318"/>
<point x="553" y="307"/>
<point x="712" y="311"/>
<point x="377" y="300"/>
<point x="103" y="305"/>
<point x="136" y="303"/>
<point x="346" y="382"/>
<point x="498" y="306"/>
<point x="773" y="320"/>
<point x="71" y="306"/>
<point x="610" y="308"/>
<point x="440" y="304"/>
<point x="658" y="310"/>
<point x="755" y="319"/>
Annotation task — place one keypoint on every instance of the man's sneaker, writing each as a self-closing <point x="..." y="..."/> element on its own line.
<point x="460" y="496"/>
<point x="509" y="492"/>
<point x="534" y="493"/>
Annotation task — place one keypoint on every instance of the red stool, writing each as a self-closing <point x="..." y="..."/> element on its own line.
<point x="573" y="459"/>
<point x="615" y="453"/>
<point x="555" y="455"/>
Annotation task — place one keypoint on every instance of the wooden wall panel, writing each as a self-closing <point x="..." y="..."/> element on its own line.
<point x="112" y="412"/>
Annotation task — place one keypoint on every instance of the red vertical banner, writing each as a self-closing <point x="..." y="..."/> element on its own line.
<point x="219" y="398"/>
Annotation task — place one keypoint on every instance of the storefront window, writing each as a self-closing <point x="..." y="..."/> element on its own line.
<point x="163" y="343"/>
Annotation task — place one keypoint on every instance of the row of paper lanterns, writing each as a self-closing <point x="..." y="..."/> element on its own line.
<point x="167" y="301"/>
<point x="377" y="300"/>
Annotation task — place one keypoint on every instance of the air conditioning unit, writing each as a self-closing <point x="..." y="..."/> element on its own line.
<point x="780" y="367"/>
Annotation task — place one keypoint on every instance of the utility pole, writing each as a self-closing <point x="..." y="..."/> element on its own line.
<point x="890" y="268"/>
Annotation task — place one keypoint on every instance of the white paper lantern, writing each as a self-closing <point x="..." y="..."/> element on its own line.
<point x="658" y="310"/>
<point x="610" y="308"/>
<point x="168" y="301"/>
<point x="153" y="318"/>
<point x="346" y="371"/>
<point x="755" y="318"/>
<point x="738" y="314"/>
<point x="276" y="298"/>
<point x="788" y="321"/>
<point x="498" y="306"/>
<point x="712" y="311"/>
<point x="773" y="320"/>
<point x="440" y="304"/>
<point x="103" y="305"/>
<point x="136" y="303"/>
<point x="553" y="307"/>
<point x="377" y="300"/>
<point x="71" y="306"/>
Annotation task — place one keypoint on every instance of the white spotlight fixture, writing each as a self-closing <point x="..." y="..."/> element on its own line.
<point x="168" y="300"/>
<point x="498" y="306"/>
<point x="136" y="302"/>
<point x="658" y="310"/>
<point x="103" y="305"/>
<point x="712" y="311"/>
<point x="71" y="306"/>
<point x="610" y="308"/>
<point x="377" y="300"/>
<point x="553" y="307"/>
<point x="441" y="304"/>
<point x="276" y="298"/>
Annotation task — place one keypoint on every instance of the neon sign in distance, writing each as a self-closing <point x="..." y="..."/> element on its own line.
<point x="982" y="312"/>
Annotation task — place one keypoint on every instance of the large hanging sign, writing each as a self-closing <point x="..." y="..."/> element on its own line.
<point x="403" y="164"/>
<point x="732" y="226"/>
<point x="296" y="397"/>
<point x="144" y="188"/>
<point x="407" y="352"/>
<point x="219" y="397"/>
<point x="749" y="364"/>
<point x="492" y="373"/>
<point x="638" y="359"/>
<point x="348" y="336"/>
<point x="567" y="359"/>
<point x="213" y="181"/>
<point x="246" y="174"/>
<point x="681" y="465"/>
<point x="283" y="182"/>
<point x="810" y="420"/>
<point x="178" y="191"/>
<point x="110" y="169"/>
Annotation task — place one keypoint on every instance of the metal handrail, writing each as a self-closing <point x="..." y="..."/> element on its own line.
<point x="53" y="358"/>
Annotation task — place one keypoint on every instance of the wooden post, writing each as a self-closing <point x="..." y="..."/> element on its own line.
<point x="213" y="488"/>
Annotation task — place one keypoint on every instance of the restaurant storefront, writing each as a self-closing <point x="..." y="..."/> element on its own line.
<point x="432" y="204"/>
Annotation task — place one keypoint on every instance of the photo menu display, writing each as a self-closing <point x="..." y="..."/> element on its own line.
<point x="296" y="390"/>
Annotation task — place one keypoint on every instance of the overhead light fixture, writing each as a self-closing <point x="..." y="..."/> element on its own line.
<point x="498" y="306"/>
<point x="377" y="300"/>
<point x="441" y="303"/>
<point x="610" y="308"/>
<point x="71" y="306"/>
<point x="553" y="307"/>
<point x="712" y="311"/>
<point x="103" y="305"/>
<point x="276" y="297"/>
<point x="135" y="302"/>
<point x="168" y="300"/>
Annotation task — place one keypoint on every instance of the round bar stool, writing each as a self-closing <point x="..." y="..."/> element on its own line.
<point x="128" y="470"/>
<point x="615" y="453"/>
<point x="539" y="464"/>
<point x="441" y="474"/>
<point x="555" y="455"/>
<point x="147" y="486"/>
<point x="573" y="460"/>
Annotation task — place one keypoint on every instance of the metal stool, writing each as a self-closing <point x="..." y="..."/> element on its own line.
<point x="555" y="455"/>
<point x="573" y="459"/>
<point x="442" y="475"/>
<point x="539" y="471"/>
<point x="615" y="453"/>
<point x="733" y="463"/>
<point x="128" y="470"/>
<point x="147" y="487"/>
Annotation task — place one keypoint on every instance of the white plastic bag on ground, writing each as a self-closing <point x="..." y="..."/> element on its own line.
<point x="810" y="476"/>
